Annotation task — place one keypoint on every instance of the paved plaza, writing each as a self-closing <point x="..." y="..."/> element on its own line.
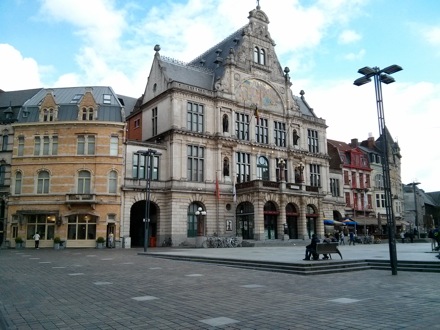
<point x="124" y="289"/>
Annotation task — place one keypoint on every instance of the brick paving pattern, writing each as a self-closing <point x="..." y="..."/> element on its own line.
<point x="119" y="289"/>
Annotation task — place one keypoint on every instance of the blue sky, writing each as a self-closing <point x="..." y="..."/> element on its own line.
<point x="58" y="43"/>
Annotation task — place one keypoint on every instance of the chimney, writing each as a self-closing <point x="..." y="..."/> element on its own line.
<point x="371" y="142"/>
<point x="354" y="143"/>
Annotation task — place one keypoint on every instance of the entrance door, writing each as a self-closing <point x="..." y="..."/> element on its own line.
<point x="270" y="226"/>
<point x="245" y="220"/>
<point x="110" y="229"/>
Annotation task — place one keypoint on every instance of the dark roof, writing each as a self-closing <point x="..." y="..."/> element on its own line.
<point x="68" y="99"/>
<point x="187" y="74"/>
<point x="11" y="103"/>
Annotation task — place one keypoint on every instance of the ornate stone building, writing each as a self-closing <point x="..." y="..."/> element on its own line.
<point x="239" y="153"/>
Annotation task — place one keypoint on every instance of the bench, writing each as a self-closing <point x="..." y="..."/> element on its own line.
<point x="327" y="248"/>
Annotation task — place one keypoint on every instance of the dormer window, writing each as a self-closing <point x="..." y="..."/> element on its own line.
<point x="259" y="55"/>
<point x="87" y="113"/>
<point x="107" y="99"/>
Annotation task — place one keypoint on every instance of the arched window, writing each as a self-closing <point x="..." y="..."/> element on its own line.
<point x="263" y="168"/>
<point x="84" y="182"/>
<point x="262" y="59"/>
<point x="43" y="182"/>
<point x="256" y="54"/>
<point x="112" y="182"/>
<point x="48" y="115"/>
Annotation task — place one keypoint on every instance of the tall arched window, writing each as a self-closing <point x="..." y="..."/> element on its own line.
<point x="256" y="54"/>
<point x="43" y="182"/>
<point x="112" y="182"/>
<point x="84" y="182"/>
<point x="262" y="59"/>
<point x="263" y="168"/>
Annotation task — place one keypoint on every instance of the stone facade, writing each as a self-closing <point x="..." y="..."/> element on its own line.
<point x="234" y="142"/>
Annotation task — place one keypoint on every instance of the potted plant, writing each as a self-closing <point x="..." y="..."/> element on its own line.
<point x="100" y="242"/>
<point x="18" y="242"/>
<point x="56" y="242"/>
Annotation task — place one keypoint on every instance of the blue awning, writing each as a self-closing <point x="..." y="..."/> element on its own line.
<point x="332" y="222"/>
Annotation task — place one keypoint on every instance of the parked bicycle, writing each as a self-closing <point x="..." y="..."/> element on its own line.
<point x="221" y="242"/>
<point x="168" y="242"/>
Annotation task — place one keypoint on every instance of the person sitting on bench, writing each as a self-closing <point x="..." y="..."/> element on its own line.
<point x="311" y="248"/>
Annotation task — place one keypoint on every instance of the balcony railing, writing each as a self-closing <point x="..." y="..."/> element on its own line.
<point x="89" y="199"/>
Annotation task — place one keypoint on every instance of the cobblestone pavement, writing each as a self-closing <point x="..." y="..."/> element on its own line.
<point x="120" y="289"/>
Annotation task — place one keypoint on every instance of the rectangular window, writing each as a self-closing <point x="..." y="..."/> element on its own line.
<point x="242" y="126"/>
<point x="2" y="174"/>
<point x="114" y="145"/>
<point x="243" y="167"/>
<point x="334" y="187"/>
<point x="137" y="123"/>
<point x="347" y="200"/>
<point x="154" y="121"/>
<point x="280" y="134"/>
<point x="380" y="200"/>
<point x="5" y="142"/>
<point x="346" y="179"/>
<point x="46" y="145"/>
<point x="195" y="163"/>
<point x="312" y="138"/>
<point x="76" y="98"/>
<point x="37" y="146"/>
<point x="138" y="170"/>
<point x="315" y="176"/>
<point x="261" y="131"/>
<point x="86" y="145"/>
<point x="107" y="99"/>
<point x="18" y="182"/>
<point x="55" y="145"/>
<point x="20" y="150"/>
<point x="195" y="113"/>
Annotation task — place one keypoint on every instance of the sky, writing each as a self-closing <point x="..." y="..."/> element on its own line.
<point x="63" y="43"/>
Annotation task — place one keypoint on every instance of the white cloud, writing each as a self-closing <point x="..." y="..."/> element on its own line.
<point x="355" y="56"/>
<point x="17" y="72"/>
<point x="348" y="36"/>
<point x="98" y="22"/>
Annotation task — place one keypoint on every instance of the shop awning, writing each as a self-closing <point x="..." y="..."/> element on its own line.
<point x="332" y="222"/>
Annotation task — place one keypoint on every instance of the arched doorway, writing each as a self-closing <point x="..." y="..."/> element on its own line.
<point x="292" y="221"/>
<point x="137" y="229"/>
<point x="312" y="217"/>
<point x="245" y="220"/>
<point x="270" y="220"/>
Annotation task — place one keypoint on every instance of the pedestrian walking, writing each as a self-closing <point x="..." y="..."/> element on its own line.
<point x="402" y="236"/>
<point x="342" y="237"/>
<point x="36" y="238"/>
<point x="110" y="240"/>
<point x="351" y="240"/>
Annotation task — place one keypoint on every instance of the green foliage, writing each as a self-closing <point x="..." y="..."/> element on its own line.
<point x="18" y="239"/>
<point x="100" y="239"/>
<point x="57" y="240"/>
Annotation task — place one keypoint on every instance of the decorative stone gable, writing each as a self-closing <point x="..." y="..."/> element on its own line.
<point x="88" y="105"/>
<point x="48" y="107"/>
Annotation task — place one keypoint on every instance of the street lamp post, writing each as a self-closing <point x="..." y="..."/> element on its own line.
<point x="200" y="213"/>
<point x="383" y="76"/>
<point x="149" y="168"/>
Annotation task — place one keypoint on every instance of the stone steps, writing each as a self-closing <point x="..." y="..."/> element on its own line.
<point x="312" y="267"/>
